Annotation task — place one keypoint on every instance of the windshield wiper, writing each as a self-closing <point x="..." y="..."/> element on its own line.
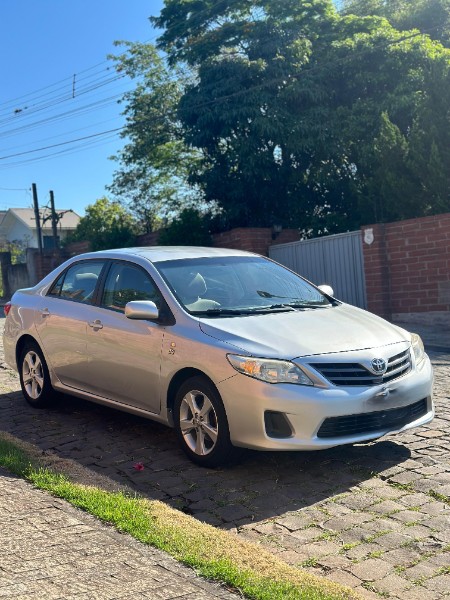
<point x="212" y="312"/>
<point x="306" y="305"/>
<point x="218" y="311"/>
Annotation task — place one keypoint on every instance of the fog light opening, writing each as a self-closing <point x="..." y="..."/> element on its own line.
<point x="277" y="424"/>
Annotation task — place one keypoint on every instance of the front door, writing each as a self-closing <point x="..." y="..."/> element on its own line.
<point x="124" y="355"/>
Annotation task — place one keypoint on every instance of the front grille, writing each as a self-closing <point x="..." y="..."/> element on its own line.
<point x="381" y="420"/>
<point x="356" y="374"/>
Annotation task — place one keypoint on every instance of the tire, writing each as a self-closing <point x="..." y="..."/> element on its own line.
<point x="34" y="377"/>
<point x="201" y="424"/>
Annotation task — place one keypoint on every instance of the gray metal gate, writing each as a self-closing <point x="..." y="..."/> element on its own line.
<point x="336" y="260"/>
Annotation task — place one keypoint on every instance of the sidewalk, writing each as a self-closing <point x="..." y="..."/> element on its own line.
<point x="51" y="551"/>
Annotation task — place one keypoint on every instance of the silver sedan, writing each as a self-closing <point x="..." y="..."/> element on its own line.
<point x="228" y="347"/>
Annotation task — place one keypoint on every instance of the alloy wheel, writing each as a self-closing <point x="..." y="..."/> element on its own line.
<point x="198" y="423"/>
<point x="32" y="375"/>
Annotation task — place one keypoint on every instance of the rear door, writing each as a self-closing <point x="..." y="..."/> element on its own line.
<point x="62" y="322"/>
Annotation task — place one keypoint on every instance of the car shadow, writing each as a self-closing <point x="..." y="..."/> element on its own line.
<point x="145" y="456"/>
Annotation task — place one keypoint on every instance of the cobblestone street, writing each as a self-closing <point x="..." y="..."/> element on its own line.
<point x="375" y="517"/>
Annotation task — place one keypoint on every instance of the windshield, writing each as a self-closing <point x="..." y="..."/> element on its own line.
<point x="236" y="285"/>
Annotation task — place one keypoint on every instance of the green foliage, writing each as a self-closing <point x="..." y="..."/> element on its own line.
<point x="430" y="16"/>
<point x="18" y="250"/>
<point x="189" y="228"/>
<point x="308" y="118"/>
<point x="106" y="225"/>
<point x="154" y="164"/>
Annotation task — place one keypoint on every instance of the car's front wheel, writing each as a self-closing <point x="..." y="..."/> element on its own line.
<point x="201" y="424"/>
<point x="34" y="376"/>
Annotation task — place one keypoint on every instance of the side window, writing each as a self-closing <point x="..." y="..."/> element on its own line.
<point x="125" y="283"/>
<point x="55" y="290"/>
<point x="78" y="282"/>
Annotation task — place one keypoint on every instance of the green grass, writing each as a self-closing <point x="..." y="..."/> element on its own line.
<point x="439" y="497"/>
<point x="214" y="553"/>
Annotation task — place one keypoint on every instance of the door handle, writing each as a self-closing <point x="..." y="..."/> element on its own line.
<point x="45" y="312"/>
<point x="97" y="324"/>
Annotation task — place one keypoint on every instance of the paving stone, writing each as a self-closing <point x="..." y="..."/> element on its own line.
<point x="422" y="569"/>
<point x="386" y="507"/>
<point x="347" y="521"/>
<point x="294" y="522"/>
<point x="358" y="501"/>
<point x="438" y="584"/>
<point x="409" y="516"/>
<point x="343" y="578"/>
<point x="309" y="496"/>
<point x="405" y="478"/>
<point x="418" y="592"/>
<point x="393" y="540"/>
<point x="232" y="512"/>
<point x="392" y="584"/>
<point x="361" y="551"/>
<point x="402" y="556"/>
<point x="371" y="569"/>
<point x="61" y="573"/>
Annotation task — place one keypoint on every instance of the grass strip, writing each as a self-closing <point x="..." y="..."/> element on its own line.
<point x="213" y="553"/>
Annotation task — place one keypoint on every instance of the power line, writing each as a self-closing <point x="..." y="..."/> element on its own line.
<point x="14" y="189"/>
<point x="68" y="81"/>
<point x="218" y="100"/>
<point x="87" y="137"/>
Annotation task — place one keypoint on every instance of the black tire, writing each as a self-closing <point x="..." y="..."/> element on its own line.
<point x="34" y="377"/>
<point x="201" y="424"/>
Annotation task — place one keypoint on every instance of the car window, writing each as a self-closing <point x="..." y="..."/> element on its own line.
<point x="125" y="283"/>
<point x="238" y="284"/>
<point x="78" y="282"/>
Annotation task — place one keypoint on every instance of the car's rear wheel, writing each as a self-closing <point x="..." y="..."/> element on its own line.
<point x="34" y="377"/>
<point x="201" y="424"/>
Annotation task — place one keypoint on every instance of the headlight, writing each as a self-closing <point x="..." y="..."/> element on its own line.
<point x="268" y="369"/>
<point x="417" y="346"/>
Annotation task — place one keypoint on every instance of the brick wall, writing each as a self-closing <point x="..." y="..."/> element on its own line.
<point x="407" y="269"/>
<point x="75" y="248"/>
<point x="256" y="239"/>
<point x="148" y="239"/>
<point x="44" y="263"/>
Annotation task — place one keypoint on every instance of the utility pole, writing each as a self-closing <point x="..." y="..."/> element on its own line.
<point x="37" y="217"/>
<point x="54" y="220"/>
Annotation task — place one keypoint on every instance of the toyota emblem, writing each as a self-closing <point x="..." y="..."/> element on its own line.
<point x="379" y="365"/>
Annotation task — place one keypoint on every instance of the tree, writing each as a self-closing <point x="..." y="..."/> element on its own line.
<point x="106" y="225"/>
<point x="296" y="110"/>
<point x="154" y="164"/>
<point x="429" y="16"/>
<point x="189" y="228"/>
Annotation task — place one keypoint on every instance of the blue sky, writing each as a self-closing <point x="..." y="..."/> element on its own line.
<point x="43" y="44"/>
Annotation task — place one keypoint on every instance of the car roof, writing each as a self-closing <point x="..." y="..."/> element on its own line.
<point x="162" y="253"/>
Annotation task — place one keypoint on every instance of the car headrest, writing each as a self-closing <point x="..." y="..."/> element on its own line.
<point x="196" y="286"/>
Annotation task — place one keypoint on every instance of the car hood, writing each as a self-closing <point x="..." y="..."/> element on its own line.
<point x="296" y="334"/>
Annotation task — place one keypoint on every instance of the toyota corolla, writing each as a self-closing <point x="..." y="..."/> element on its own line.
<point x="230" y="348"/>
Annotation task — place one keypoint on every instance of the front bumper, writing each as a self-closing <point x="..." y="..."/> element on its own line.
<point x="306" y="408"/>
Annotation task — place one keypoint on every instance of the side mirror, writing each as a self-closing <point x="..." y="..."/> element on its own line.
<point x="142" y="310"/>
<point x="326" y="289"/>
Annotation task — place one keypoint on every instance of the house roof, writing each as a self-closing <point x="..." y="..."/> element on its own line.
<point x="69" y="219"/>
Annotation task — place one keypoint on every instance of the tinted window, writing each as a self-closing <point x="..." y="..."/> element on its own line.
<point x="125" y="283"/>
<point x="78" y="282"/>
